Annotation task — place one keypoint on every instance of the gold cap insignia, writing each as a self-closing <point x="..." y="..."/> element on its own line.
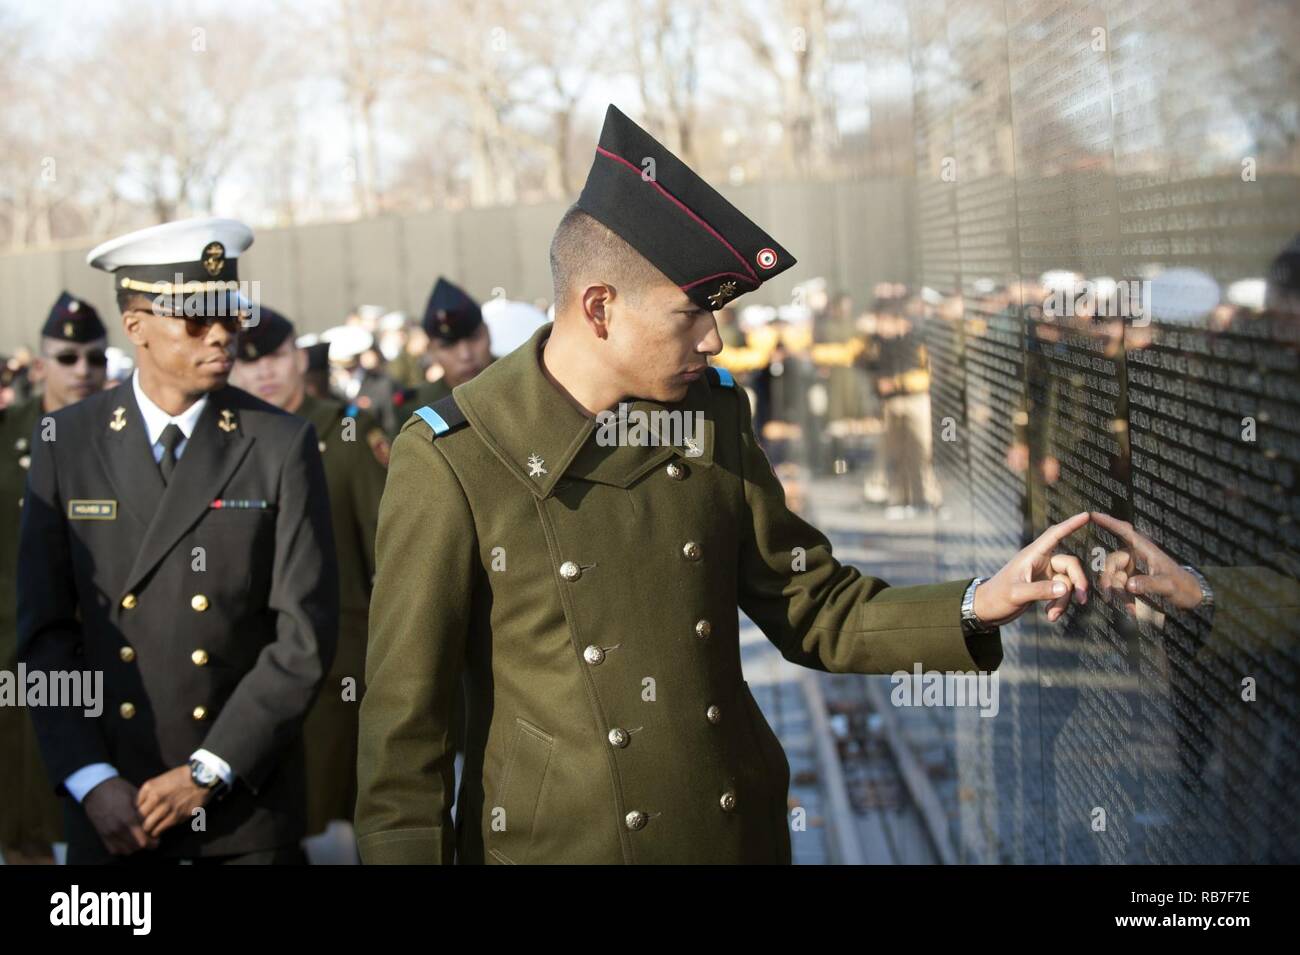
<point x="67" y="329"/>
<point x="250" y="350"/>
<point x="725" y="293"/>
<point x="214" y="257"/>
<point x="119" y="419"/>
<point x="227" y="422"/>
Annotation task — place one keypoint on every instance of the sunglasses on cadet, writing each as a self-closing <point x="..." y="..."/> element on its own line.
<point x="95" y="359"/>
<point x="197" y="325"/>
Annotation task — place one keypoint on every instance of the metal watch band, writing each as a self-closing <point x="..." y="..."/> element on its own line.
<point x="1207" y="595"/>
<point x="969" y="621"/>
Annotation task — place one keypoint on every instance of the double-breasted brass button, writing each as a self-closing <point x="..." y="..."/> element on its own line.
<point x="692" y="551"/>
<point x="570" y="571"/>
<point x="635" y="820"/>
<point x="127" y="710"/>
<point x="199" y="603"/>
<point x="713" y="714"/>
<point x="128" y="602"/>
<point x="619" y="737"/>
<point x="728" y="801"/>
<point x="127" y="654"/>
<point x="676" y="471"/>
<point x="200" y="714"/>
<point x="703" y="628"/>
<point x="594" y="655"/>
<point x="200" y="658"/>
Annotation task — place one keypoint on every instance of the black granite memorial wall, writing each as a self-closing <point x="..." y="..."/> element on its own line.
<point x="1108" y="205"/>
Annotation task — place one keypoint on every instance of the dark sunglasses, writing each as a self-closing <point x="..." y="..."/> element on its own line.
<point x="95" y="359"/>
<point x="197" y="325"/>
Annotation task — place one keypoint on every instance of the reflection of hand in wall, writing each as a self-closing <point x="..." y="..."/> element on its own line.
<point x="1142" y="569"/>
<point x="1051" y="468"/>
<point x="1018" y="457"/>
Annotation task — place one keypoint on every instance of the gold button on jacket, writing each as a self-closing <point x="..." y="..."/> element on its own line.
<point x="663" y="562"/>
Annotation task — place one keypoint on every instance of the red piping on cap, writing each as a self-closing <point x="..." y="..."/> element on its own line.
<point x="713" y="232"/>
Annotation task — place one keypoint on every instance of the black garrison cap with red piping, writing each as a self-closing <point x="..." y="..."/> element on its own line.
<point x="675" y="219"/>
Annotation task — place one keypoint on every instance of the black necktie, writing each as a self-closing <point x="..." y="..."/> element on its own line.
<point x="170" y="438"/>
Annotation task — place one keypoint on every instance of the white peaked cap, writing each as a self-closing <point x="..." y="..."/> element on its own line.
<point x="181" y="241"/>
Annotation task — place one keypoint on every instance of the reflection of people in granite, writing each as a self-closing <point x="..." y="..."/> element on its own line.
<point x="1242" y="620"/>
<point x="1073" y="415"/>
<point x="902" y="372"/>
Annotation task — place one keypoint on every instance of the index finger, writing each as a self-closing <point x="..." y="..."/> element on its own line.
<point x="1121" y="529"/>
<point x="1048" y="540"/>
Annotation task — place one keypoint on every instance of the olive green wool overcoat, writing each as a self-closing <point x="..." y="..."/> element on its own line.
<point x="589" y="595"/>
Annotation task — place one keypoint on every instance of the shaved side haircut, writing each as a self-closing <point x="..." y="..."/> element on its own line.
<point x="584" y="251"/>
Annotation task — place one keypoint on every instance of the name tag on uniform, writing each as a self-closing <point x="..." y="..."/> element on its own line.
<point x="92" y="510"/>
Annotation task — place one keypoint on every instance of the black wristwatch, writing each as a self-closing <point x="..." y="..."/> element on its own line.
<point x="205" y="778"/>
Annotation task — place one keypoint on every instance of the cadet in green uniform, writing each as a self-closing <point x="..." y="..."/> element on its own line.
<point x="461" y="344"/>
<point x="355" y="451"/>
<point x="586" y="580"/>
<point x="73" y="365"/>
<point x="458" y="338"/>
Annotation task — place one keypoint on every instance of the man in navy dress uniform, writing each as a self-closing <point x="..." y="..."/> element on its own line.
<point x="177" y="538"/>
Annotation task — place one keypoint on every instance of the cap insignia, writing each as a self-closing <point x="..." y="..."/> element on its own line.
<point x="214" y="257"/>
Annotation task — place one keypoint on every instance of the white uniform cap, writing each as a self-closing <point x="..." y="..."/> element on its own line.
<point x="1248" y="293"/>
<point x="170" y="243"/>
<point x="510" y="324"/>
<point x="347" y="341"/>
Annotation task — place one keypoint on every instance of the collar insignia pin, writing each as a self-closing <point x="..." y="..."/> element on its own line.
<point x="119" y="419"/>
<point x="227" y="422"/>
<point x="535" y="468"/>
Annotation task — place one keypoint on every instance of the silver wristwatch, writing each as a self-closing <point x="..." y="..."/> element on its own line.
<point x="970" y="623"/>
<point x="1207" y="595"/>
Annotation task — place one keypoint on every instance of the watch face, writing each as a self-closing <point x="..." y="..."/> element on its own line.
<point x="202" y="775"/>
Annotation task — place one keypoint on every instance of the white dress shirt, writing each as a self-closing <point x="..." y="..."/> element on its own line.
<point x="80" y="783"/>
<point x="156" y="420"/>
